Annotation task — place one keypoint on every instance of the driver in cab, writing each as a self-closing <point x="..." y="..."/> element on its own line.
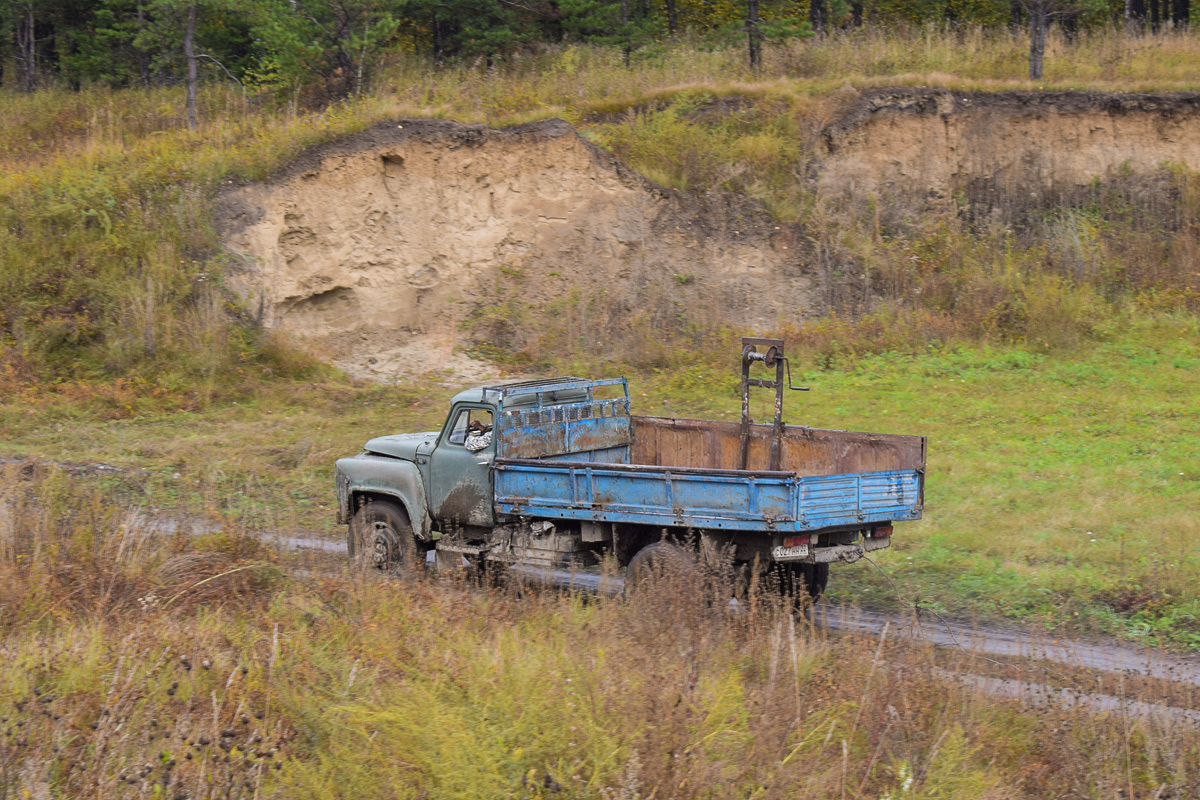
<point x="479" y="436"/>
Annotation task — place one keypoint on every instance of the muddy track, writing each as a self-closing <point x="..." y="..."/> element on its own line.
<point x="1017" y="643"/>
<point x="982" y="640"/>
<point x="1028" y="661"/>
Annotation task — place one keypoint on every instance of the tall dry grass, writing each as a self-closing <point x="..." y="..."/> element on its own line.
<point x="574" y="81"/>
<point x="69" y="551"/>
<point x="341" y="685"/>
<point x="111" y="685"/>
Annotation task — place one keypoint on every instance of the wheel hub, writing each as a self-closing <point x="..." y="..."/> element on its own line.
<point x="381" y="545"/>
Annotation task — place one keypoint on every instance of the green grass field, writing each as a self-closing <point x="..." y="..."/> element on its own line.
<point x="1061" y="489"/>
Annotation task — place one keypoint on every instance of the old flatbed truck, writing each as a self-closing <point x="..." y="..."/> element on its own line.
<point x="557" y="473"/>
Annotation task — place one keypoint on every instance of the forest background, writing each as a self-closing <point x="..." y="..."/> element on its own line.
<point x="332" y="49"/>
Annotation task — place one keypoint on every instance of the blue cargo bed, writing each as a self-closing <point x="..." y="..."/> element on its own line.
<point x="587" y="458"/>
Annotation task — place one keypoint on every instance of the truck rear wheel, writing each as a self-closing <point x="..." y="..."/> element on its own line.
<point x="656" y="560"/>
<point x="816" y="578"/>
<point x="381" y="537"/>
<point x="798" y="580"/>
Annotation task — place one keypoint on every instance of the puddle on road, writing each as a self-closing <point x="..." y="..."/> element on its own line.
<point x="979" y="640"/>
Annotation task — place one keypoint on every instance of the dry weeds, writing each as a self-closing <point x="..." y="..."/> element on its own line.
<point x="122" y="678"/>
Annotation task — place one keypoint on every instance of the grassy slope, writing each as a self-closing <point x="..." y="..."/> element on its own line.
<point x="104" y="238"/>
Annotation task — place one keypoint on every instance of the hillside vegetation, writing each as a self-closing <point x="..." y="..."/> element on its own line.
<point x="110" y="270"/>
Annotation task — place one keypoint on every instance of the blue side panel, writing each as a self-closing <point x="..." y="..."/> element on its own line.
<point x="638" y="496"/>
<point x="546" y="488"/>
<point x="713" y="499"/>
<point x="740" y="498"/>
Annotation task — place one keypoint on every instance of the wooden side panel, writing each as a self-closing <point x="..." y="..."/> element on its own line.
<point x="708" y="444"/>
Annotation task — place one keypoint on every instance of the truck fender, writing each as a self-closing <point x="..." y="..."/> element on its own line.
<point x="390" y="477"/>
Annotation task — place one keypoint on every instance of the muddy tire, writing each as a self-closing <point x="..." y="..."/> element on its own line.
<point x="655" y="561"/>
<point x="381" y="538"/>
<point x="801" y="582"/>
<point x="816" y="578"/>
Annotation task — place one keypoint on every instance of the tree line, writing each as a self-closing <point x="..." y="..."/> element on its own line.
<point x="336" y="44"/>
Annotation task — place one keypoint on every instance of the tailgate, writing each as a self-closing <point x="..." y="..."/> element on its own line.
<point x="846" y="500"/>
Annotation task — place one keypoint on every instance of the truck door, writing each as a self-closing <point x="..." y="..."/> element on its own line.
<point x="460" y="486"/>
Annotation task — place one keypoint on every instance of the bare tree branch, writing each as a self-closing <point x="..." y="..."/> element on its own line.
<point x="217" y="61"/>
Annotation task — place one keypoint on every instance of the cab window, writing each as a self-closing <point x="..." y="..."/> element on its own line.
<point x="470" y="421"/>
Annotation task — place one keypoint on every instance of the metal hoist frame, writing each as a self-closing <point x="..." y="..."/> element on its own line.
<point x="771" y="356"/>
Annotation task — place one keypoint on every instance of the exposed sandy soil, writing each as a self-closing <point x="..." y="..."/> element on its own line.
<point x="376" y="248"/>
<point x="935" y="150"/>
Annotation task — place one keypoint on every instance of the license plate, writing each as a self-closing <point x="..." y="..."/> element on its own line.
<point x="795" y="551"/>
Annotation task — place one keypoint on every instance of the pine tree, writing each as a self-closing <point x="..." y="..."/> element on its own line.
<point x="105" y="49"/>
<point x="473" y="28"/>
<point x="624" y="23"/>
<point x="337" y="43"/>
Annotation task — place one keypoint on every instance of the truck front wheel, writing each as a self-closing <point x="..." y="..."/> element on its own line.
<point x="381" y="537"/>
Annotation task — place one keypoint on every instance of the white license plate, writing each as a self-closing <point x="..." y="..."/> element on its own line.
<point x="782" y="553"/>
